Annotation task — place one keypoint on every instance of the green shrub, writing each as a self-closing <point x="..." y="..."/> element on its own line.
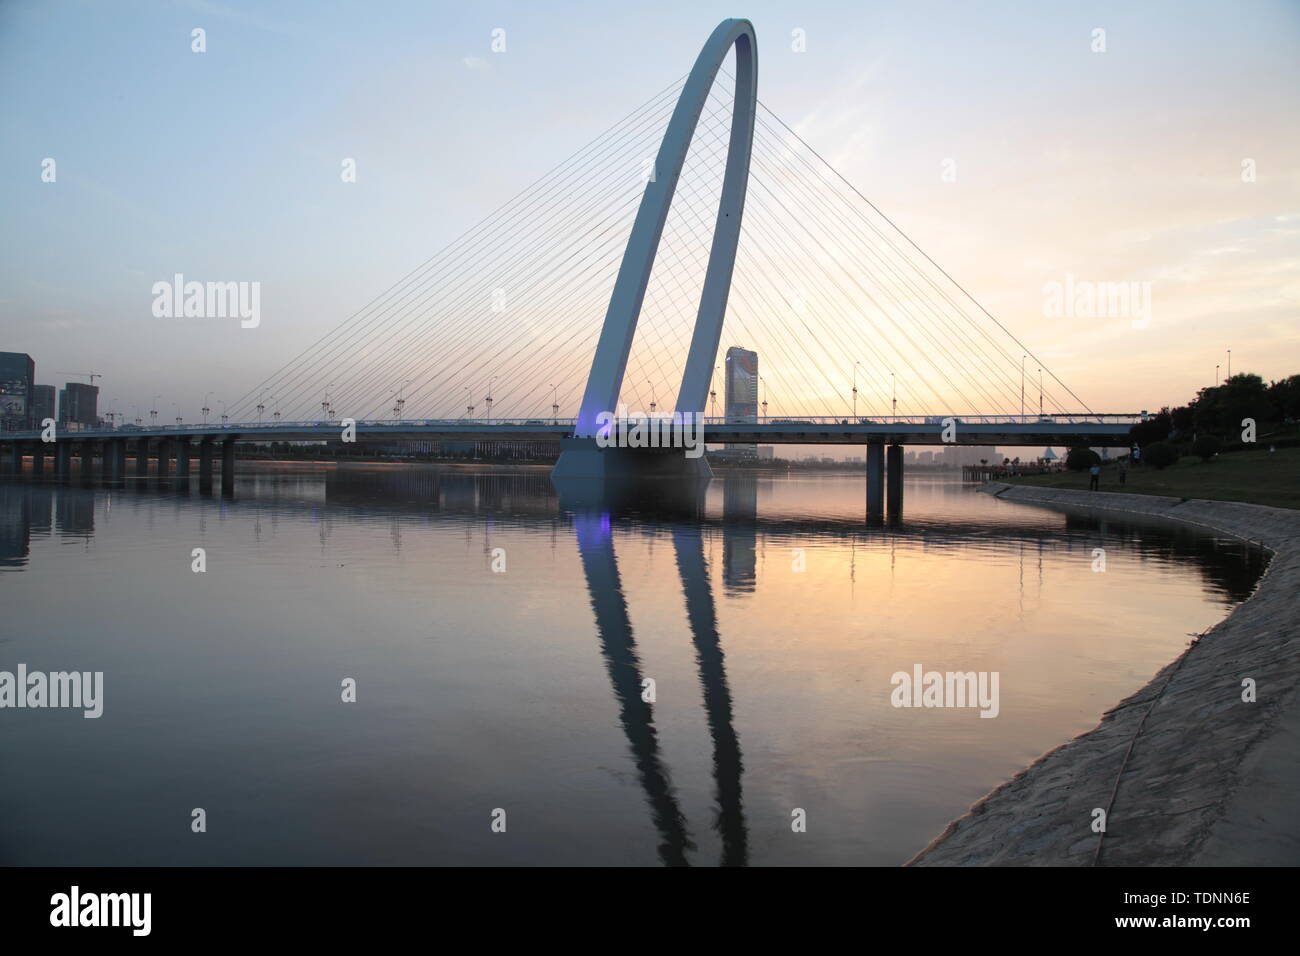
<point x="1206" y="447"/>
<point x="1160" y="455"/>
<point x="1079" y="459"/>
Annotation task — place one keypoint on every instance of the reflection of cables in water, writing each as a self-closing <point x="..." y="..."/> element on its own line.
<point x="1196" y="638"/>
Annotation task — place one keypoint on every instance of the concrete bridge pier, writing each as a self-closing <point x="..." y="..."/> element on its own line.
<point x="205" y="463"/>
<point x="62" y="460"/>
<point x="142" y="458"/>
<point x="119" y="458"/>
<point x="38" y="460"/>
<point x="164" y="457"/>
<point x="16" y="457"/>
<point x="85" y="452"/>
<point x="875" y="479"/>
<point x="228" y="466"/>
<point x="894" y="488"/>
<point x="105" y="449"/>
<point x="182" y="446"/>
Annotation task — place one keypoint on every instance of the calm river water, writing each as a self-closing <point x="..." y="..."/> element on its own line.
<point x="663" y="679"/>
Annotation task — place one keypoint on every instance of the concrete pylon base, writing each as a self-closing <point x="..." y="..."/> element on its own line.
<point x="583" y="458"/>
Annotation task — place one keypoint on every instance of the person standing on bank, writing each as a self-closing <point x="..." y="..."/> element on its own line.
<point x="1094" y="478"/>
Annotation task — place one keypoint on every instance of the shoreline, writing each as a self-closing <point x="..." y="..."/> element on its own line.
<point x="1197" y="776"/>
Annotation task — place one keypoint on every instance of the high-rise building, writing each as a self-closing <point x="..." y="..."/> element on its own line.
<point x="77" y="405"/>
<point x="42" y="404"/>
<point x="740" y="399"/>
<point x="741" y="396"/>
<point x="17" y="376"/>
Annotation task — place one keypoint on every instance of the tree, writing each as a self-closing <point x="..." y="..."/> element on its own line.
<point x="1155" y="428"/>
<point x="1081" y="458"/>
<point x="1219" y="410"/>
<point x="1206" y="446"/>
<point x="1284" y="396"/>
<point x="1183" y="419"/>
<point x="1160" y="455"/>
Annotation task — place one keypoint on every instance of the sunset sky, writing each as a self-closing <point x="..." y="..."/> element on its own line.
<point x="1117" y="166"/>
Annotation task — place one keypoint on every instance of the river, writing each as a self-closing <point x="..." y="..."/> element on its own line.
<point x="696" y="677"/>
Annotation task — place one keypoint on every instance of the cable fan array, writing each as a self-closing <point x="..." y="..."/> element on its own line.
<point x="845" y="311"/>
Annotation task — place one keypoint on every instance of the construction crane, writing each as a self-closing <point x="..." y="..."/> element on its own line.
<point x="90" y="375"/>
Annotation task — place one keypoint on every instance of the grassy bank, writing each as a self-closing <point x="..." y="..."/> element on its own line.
<point x="1256" y="476"/>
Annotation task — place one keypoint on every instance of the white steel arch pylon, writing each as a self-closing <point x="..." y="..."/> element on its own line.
<point x="615" y="342"/>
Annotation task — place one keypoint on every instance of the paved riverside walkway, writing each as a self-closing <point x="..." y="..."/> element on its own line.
<point x="1198" y="776"/>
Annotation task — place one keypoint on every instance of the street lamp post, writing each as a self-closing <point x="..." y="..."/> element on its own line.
<point x="713" y="395"/>
<point x="855" y="390"/>
<point x="488" y="399"/>
<point x="400" y="392"/>
<point x="205" y="407"/>
<point x="762" y="381"/>
<point x="1229" y="365"/>
<point x="1040" y="393"/>
<point x="153" y="411"/>
<point x="469" y="409"/>
<point x="224" y="417"/>
<point x="555" y="406"/>
<point x="652" y="396"/>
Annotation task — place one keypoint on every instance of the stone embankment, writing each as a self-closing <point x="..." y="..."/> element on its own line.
<point x="1189" y="772"/>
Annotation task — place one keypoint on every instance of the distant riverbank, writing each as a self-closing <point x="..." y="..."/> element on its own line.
<point x="1258" y="477"/>
<point x="1187" y="771"/>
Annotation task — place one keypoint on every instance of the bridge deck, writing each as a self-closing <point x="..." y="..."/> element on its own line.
<point x="1061" y="430"/>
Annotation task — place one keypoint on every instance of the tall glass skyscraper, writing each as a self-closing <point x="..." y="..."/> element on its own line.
<point x="741" y="396"/>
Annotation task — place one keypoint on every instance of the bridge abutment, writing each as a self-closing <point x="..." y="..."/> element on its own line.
<point x="583" y="458"/>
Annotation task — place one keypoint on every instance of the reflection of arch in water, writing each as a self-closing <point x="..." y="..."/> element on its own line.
<point x="595" y="544"/>
<point x="727" y="765"/>
<point x="618" y="647"/>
